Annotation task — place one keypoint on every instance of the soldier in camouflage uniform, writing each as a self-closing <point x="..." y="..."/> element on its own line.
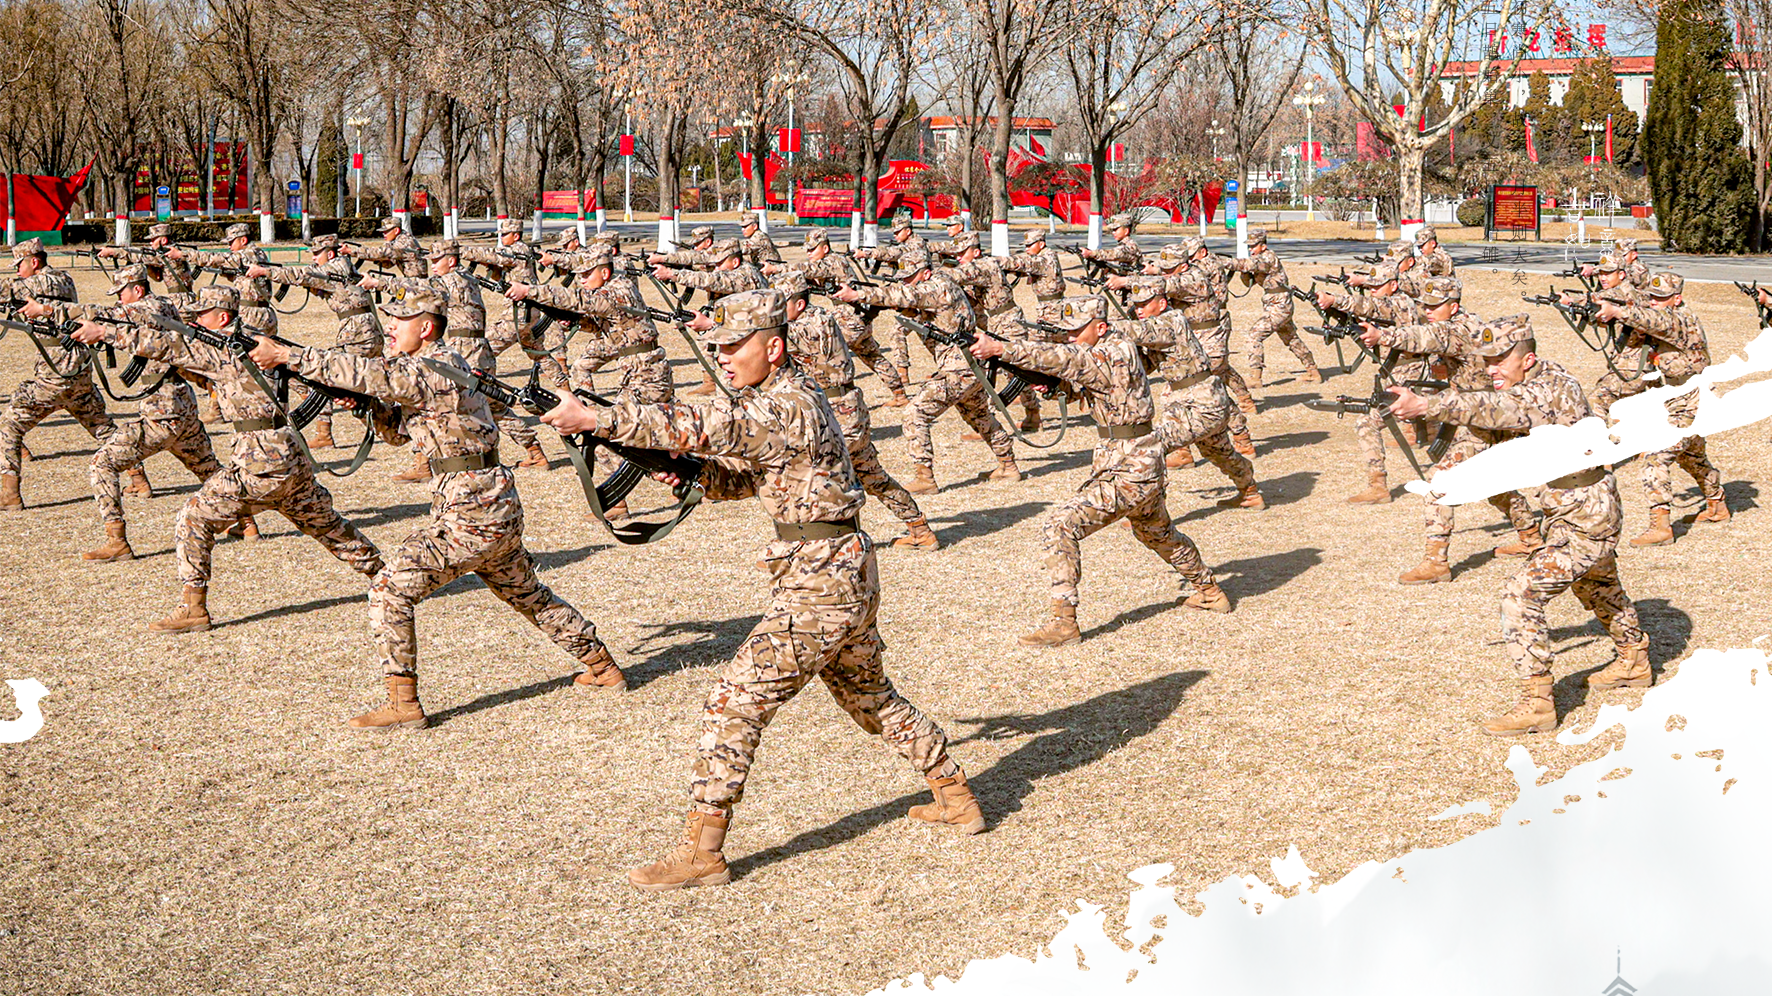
<point x="1448" y="331"/>
<point x="1197" y="409"/>
<point x="256" y="313"/>
<point x="993" y="308"/>
<point x="692" y="253"/>
<point x="611" y="335"/>
<point x="1386" y="305"/>
<point x="1582" y="521"/>
<point x="175" y="274"/>
<point x="930" y="296"/>
<point x="756" y="244"/>
<point x="822" y="266"/>
<point x="1635" y="270"/>
<point x="1435" y="261"/>
<point x="1674" y="339"/>
<point x="905" y="242"/>
<point x="332" y="278"/>
<point x="397" y="250"/>
<point x="64" y="381"/>
<point x="947" y="252"/>
<point x="1276" y="309"/>
<point x="729" y="274"/>
<point x="778" y="440"/>
<point x="1038" y="265"/>
<point x="513" y="261"/>
<point x="267" y="469"/>
<point x="1126" y="477"/>
<point x="1218" y="344"/>
<point x="476" y="522"/>
<point x="1123" y="256"/>
<point x="817" y="345"/>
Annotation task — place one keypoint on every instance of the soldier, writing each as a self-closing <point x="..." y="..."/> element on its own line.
<point x="1126" y="476"/>
<point x="1672" y="336"/>
<point x="1123" y="256"/>
<point x="613" y="336"/>
<point x="1038" y="265"/>
<point x="513" y="261"/>
<point x="993" y="308"/>
<point x="1384" y="306"/>
<point x="1218" y="343"/>
<point x="175" y="274"/>
<point x="729" y="274"/>
<point x="934" y="298"/>
<point x="692" y="253"/>
<point x="756" y="244"/>
<point x="950" y="250"/>
<point x="61" y="381"/>
<point x="1635" y="270"/>
<point x="397" y="250"/>
<point x="905" y="241"/>
<point x="476" y="523"/>
<point x="1447" y="330"/>
<point x="816" y="343"/>
<point x="256" y="313"/>
<point x="779" y="441"/>
<point x="1435" y="261"/>
<point x="1582" y="522"/>
<point x="1614" y="284"/>
<point x="1276" y="309"/>
<point x="822" y="266"/>
<point x="334" y="279"/>
<point x="1197" y="409"/>
<point x="267" y="469"/>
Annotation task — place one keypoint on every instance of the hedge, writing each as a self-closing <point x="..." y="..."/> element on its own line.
<point x="193" y="231"/>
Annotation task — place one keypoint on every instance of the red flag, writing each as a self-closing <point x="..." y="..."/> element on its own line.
<point x="1608" y="138"/>
<point x="1452" y="145"/>
<point x="1531" y="150"/>
<point x="626" y="145"/>
<point x="1035" y="146"/>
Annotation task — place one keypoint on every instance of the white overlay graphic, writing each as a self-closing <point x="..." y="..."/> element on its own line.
<point x="28" y="692"/>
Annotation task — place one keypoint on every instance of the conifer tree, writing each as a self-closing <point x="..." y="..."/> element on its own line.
<point x="1699" y="175"/>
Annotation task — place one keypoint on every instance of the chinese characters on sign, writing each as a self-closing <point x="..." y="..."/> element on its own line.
<point x="1565" y="39"/>
<point x="1513" y="209"/>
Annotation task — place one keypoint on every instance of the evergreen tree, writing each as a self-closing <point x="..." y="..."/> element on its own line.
<point x="1545" y="117"/>
<point x="1699" y="175"/>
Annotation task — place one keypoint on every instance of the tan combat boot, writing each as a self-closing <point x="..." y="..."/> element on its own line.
<point x="402" y="711"/>
<point x="971" y="436"/>
<point x="705" y="387"/>
<point x="1208" y="598"/>
<point x="246" y="528"/>
<point x="1433" y="567"/>
<point x="920" y="537"/>
<point x="1378" y="492"/>
<point x="1006" y="471"/>
<point x="1530" y="540"/>
<point x="1030" y="420"/>
<point x="322" y="434"/>
<point x="899" y="399"/>
<point x="1630" y="669"/>
<point x="1247" y="496"/>
<point x="954" y="803"/>
<point x="923" y="483"/>
<point x="1242" y="443"/>
<point x="1254" y="379"/>
<point x="1715" y="510"/>
<point x="1313" y="375"/>
<point x="191" y="617"/>
<point x="138" y="483"/>
<point x="536" y="458"/>
<point x="116" y="545"/>
<point x="1179" y="459"/>
<point x="601" y="671"/>
<point x="419" y="471"/>
<point x="696" y="861"/>
<point x="1534" y="713"/>
<point x="9" y="498"/>
<point x="1058" y="631"/>
<point x="1660" y="531"/>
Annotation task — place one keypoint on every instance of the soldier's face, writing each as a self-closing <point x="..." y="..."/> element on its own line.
<point x="158" y="242"/>
<point x="1122" y="233"/>
<point x="442" y="265"/>
<point x="819" y="251"/>
<point x="901" y="235"/>
<point x="407" y="335"/>
<point x="796" y="307"/>
<point x="215" y="318"/>
<point x="324" y="256"/>
<point x="749" y="361"/>
<point x="1667" y="302"/>
<point x="1154" y="307"/>
<point x="1611" y="278"/>
<point x="509" y="238"/>
<point x="131" y="293"/>
<point x="239" y="243"/>
<point x="1509" y="368"/>
<point x="388" y="235"/>
<point x="593" y="279"/>
<point x="748" y="229"/>
<point x="1442" y="311"/>
<point x="27" y="265"/>
<point x="729" y="263"/>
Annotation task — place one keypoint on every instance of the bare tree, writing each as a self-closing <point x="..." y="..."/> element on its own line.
<point x="1752" y="64"/>
<point x="1018" y="36"/>
<point x="962" y="75"/>
<point x="1259" y="60"/>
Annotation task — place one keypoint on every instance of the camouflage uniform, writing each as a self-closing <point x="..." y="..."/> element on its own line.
<point x="175" y="274"/>
<point x="1264" y="265"/>
<point x="256" y="313"/>
<point x="1678" y="349"/>
<point x="612" y="336"/>
<point x="686" y="254"/>
<point x="266" y="470"/>
<point x="1395" y="310"/>
<point x="719" y="283"/>
<point x="1192" y="293"/>
<point x="1123" y="256"/>
<point x="1581" y="520"/>
<point x="65" y="382"/>
<point x="402" y="253"/>
<point x="894" y="340"/>
<point x="1043" y="270"/>
<point x="517" y="264"/>
<point x="993" y="308"/>
<point x="1197" y="409"/>
<point x="758" y="247"/>
<point x="1218" y="343"/>
<point x="1436" y="262"/>
<point x="1635" y="270"/>
<point x="835" y="270"/>
<point x="358" y="331"/>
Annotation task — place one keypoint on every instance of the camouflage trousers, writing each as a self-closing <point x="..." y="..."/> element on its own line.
<point x="793" y="643"/>
<point x="1568" y="560"/>
<point x="504" y="334"/>
<point x="445" y="548"/>
<point x="852" y="417"/>
<point x="1276" y="320"/>
<point x="134" y="442"/>
<point x="1101" y="500"/>
<point x="233" y="493"/>
<point x="1217" y="343"/>
<point x="960" y="390"/>
<point x="1200" y="416"/>
<point x="1370" y="430"/>
<point x="1465" y="445"/>
<point x="894" y="344"/>
<point x="1689" y="453"/>
<point x="35" y="401"/>
<point x="866" y="348"/>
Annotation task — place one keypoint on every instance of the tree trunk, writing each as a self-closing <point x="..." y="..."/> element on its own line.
<point x="999" y="164"/>
<point x="500" y="139"/>
<point x="870" y="191"/>
<point x="759" y="170"/>
<point x="1410" y="152"/>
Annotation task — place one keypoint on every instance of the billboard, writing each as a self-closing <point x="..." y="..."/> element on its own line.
<point x="1513" y="209"/>
<point x="233" y="192"/>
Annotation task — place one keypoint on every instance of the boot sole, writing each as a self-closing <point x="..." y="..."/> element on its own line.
<point x="718" y="878"/>
<point x="204" y="628"/>
<point x="1539" y="728"/>
<point x="1433" y="580"/>
<point x="410" y="724"/>
<point x="1024" y="641"/>
<point x="107" y="560"/>
<point x="1607" y="686"/>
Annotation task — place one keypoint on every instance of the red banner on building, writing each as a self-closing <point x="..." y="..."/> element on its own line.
<point x="233" y="191"/>
<point x="566" y="201"/>
<point x="1531" y="148"/>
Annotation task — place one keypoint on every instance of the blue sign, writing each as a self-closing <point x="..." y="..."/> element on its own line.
<point x="295" y="186"/>
<point x="162" y="203"/>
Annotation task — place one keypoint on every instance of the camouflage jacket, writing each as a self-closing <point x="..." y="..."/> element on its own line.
<point x="759" y="248"/>
<point x="517" y="264"/>
<point x="1550" y="395"/>
<point x="1636" y="273"/>
<point x="173" y="399"/>
<point x="50" y="286"/>
<point x="1110" y="376"/>
<point x="1454" y="339"/>
<point x="985" y="286"/>
<point x="1043" y="271"/>
<point x="893" y="249"/>
<point x="466" y="313"/>
<point x="817" y="345"/>
<point x="946" y="249"/>
<point x="255" y="292"/>
<point x="614" y="336"/>
<point x="403" y="253"/>
<point x="1124" y="256"/>
<point x="1170" y="348"/>
<point x="1392" y="309"/>
<point x="719" y="283"/>
<point x="935" y="300"/>
<point x="1411" y="284"/>
<point x="174" y="273"/>
<point x="778" y="441"/>
<point x="1265" y="268"/>
<point x="1675" y="336"/>
<point x="1191" y="293"/>
<point x="689" y="259"/>
<point x="351" y="305"/>
<point x="1435" y="264"/>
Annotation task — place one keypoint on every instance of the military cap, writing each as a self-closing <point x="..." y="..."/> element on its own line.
<point x="792" y="283"/>
<point x="816" y="238"/>
<point x="1257" y="236"/>
<point x="911" y="262"/>
<point x="1626" y="245"/>
<point x="135" y="273"/>
<point x="965" y="241"/>
<point x="1666" y="283"/>
<point x="747" y="219"/>
<point x="320" y="242"/>
<point x="1081" y="312"/>
<point x="722" y="251"/>
<point x="956" y="221"/>
<point x="444" y="247"/>
<point x="1171" y="256"/>
<point x="1122" y="220"/>
<point x="1497" y="337"/>
<point x="901" y="222"/>
<point x="1609" y="263"/>
<point x="29" y="247"/>
<point x="738" y="315"/>
<point x="1426" y="233"/>
<point x="216" y="297"/>
<point x="567" y="237"/>
<point x="238" y="230"/>
<point x="608" y="236"/>
<point x="1190" y="245"/>
<point x="700" y="232"/>
<point x="1032" y="236"/>
<point x="390" y="223"/>
<point x="160" y="231"/>
<point x="1401" y="247"/>
<point x="1383" y="273"/>
<point x="592" y="258"/>
<point x="509" y="226"/>
<point x="1439" y="290"/>
<point x="1145" y="290"/>
<point x="406" y="302"/>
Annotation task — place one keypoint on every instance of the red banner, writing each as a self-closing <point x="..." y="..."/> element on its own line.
<point x="232" y="192"/>
<point x="787" y="139"/>
<point x="356" y="160"/>
<point x="41" y="203"/>
<point x="1311" y="152"/>
<point x="1531" y="149"/>
<point x="627" y="145"/>
<point x="1608" y="138"/>
<point x="566" y="201"/>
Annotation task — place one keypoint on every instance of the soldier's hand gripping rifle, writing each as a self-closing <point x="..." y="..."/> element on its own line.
<point x="1753" y="291"/>
<point x="988" y="372"/>
<point x="1574" y="270"/>
<point x="546" y="314"/>
<point x="1380" y="400"/>
<point x="238" y="343"/>
<point x="1581" y="318"/>
<point x="1338" y="327"/>
<point x="637" y="463"/>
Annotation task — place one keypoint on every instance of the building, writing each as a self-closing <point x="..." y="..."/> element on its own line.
<point x="1636" y="74"/>
<point x="941" y="134"/>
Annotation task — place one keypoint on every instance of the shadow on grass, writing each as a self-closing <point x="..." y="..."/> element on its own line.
<point x="506" y="697"/>
<point x="1668" y="627"/>
<point x="983" y="521"/>
<point x="708" y="640"/>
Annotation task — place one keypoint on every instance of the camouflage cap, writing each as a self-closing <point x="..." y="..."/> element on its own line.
<point x="700" y="233"/>
<point x="444" y="247"/>
<point x="1383" y="273"/>
<point x="912" y="262"/>
<point x="608" y="236"/>
<point x="1257" y="236"/>
<point x="1497" y="337"/>
<point x="1191" y="245"/>
<point x="722" y="251"/>
<point x="568" y="236"/>
<point x="1436" y="291"/>
<point x="1608" y="263"/>
<point x="1626" y="245"/>
<point x="160" y="231"/>
<point x="508" y="226"/>
<point x="966" y="240"/>
<point x="1145" y="291"/>
<point x="1171" y="256"/>
<point x="238" y="230"/>
<point x="29" y="247"/>
<point x="215" y="297"/>
<point x="748" y="219"/>
<point x="1666" y="283"/>
<point x="1122" y="220"/>
<point x="135" y="273"/>
<point x="956" y="221"/>
<point x="592" y="258"/>
<point x="1425" y="234"/>
<point x="321" y="242"/>
<point x="1401" y="247"/>
<point x="390" y="223"/>
<point x="405" y="302"/>
<point x="1081" y="312"/>
<point x="901" y="222"/>
<point x="816" y="238"/>
<point x="738" y="315"/>
<point x="1032" y="236"/>
<point x="792" y="283"/>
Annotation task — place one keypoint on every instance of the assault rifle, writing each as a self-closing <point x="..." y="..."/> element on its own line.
<point x="1753" y="291"/>
<point x="682" y="315"/>
<point x="238" y="342"/>
<point x="1580" y="318"/>
<point x="1574" y="270"/>
<point x="1339" y="279"/>
<point x="637" y="463"/>
<point x="988" y="373"/>
<point x="549" y="313"/>
<point x="1380" y="400"/>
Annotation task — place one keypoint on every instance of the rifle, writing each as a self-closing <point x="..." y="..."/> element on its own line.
<point x="1339" y="279"/>
<point x="98" y="262"/>
<point x="1579" y="318"/>
<point x="1381" y="400"/>
<point x="1019" y="378"/>
<point x="1574" y="270"/>
<point x="682" y="315"/>
<point x="549" y="313"/>
<point x="1753" y="291"/>
<point x="637" y="462"/>
<point x="238" y="343"/>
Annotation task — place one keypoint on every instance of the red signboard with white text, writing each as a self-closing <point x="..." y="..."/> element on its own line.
<point x="233" y="190"/>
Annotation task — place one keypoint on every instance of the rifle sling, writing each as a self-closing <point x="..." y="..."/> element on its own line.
<point x="580" y="449"/>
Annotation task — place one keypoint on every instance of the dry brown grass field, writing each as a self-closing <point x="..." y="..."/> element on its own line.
<point x="195" y="817"/>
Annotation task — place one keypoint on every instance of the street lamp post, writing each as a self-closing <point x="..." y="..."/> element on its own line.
<point x="1308" y="99"/>
<point x="791" y="80"/>
<point x="358" y="124"/>
<point x="1593" y="128"/>
<point x="744" y="126"/>
<point x="1214" y="132"/>
<point x="627" y="162"/>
